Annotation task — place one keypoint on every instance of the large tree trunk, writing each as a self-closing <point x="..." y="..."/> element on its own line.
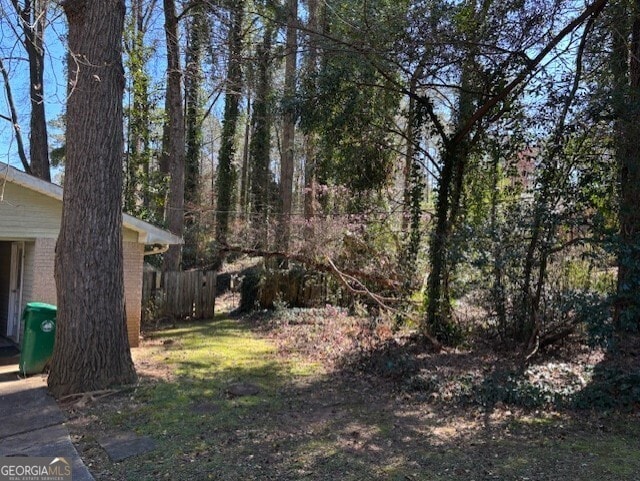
<point x="193" y="102"/>
<point x="91" y="350"/>
<point x="174" y="146"/>
<point x="288" y="133"/>
<point x="627" y="314"/>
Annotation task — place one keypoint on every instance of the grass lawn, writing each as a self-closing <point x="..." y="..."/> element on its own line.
<point x="311" y="421"/>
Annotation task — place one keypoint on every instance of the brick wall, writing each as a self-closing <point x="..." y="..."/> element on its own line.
<point x="133" y="255"/>
<point x="44" y="287"/>
<point x="44" y="284"/>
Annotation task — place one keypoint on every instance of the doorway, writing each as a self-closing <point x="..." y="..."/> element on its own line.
<point x="11" y="274"/>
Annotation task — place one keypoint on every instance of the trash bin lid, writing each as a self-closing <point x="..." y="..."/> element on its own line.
<point x="40" y="306"/>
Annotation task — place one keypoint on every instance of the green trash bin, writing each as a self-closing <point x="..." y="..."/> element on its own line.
<point x="39" y="333"/>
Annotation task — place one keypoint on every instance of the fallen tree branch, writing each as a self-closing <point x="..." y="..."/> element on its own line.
<point x="555" y="336"/>
<point x="346" y="279"/>
<point x="541" y="341"/>
<point x="81" y="399"/>
<point x="380" y="281"/>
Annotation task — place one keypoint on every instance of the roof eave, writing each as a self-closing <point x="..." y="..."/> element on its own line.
<point x="148" y="234"/>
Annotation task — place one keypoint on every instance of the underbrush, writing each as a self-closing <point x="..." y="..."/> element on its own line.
<point x="332" y="395"/>
<point x="572" y="376"/>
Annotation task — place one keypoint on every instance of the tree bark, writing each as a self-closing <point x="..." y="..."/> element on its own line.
<point x="15" y="123"/>
<point x="226" y="171"/>
<point x="438" y="303"/>
<point x="137" y="191"/>
<point x="193" y="121"/>
<point x="193" y="85"/>
<point x="289" y="123"/>
<point x="627" y="311"/>
<point x="244" y="171"/>
<point x="260" y="145"/>
<point x="174" y="146"/>
<point x="92" y="350"/>
<point x="310" y="140"/>
<point x="33" y="19"/>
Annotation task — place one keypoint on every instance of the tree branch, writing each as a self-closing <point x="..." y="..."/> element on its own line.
<point x="14" y="118"/>
<point x="384" y="282"/>
<point x="592" y="10"/>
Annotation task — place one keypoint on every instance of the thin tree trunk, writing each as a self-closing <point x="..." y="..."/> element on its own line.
<point x="174" y="148"/>
<point x="451" y="183"/>
<point x="193" y="84"/>
<point x="226" y="171"/>
<point x="91" y="351"/>
<point x="310" y="148"/>
<point x="408" y="162"/>
<point x="260" y="145"/>
<point x="137" y="193"/>
<point x="33" y="20"/>
<point x="448" y="204"/>
<point x="288" y="129"/>
<point x="15" y="123"/>
<point x="498" y="290"/>
<point x="244" y="172"/>
<point x="438" y="307"/>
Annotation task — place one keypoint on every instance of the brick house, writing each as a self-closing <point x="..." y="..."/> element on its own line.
<point x="30" y="215"/>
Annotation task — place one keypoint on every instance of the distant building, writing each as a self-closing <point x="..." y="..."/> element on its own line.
<point x="525" y="169"/>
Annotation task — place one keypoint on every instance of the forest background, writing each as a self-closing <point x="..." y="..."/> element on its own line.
<point x="428" y="154"/>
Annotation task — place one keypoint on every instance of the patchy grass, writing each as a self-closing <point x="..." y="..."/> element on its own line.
<point x="314" y="420"/>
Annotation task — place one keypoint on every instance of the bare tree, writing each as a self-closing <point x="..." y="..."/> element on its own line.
<point x="33" y="19"/>
<point x="13" y="117"/>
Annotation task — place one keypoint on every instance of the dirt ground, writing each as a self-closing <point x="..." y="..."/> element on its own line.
<point x="340" y="397"/>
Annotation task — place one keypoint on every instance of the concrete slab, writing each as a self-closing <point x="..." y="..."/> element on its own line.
<point x="32" y="423"/>
<point x="53" y="441"/>
<point x="25" y="410"/>
<point x="121" y="446"/>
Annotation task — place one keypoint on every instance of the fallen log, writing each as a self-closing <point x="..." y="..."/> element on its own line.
<point x="382" y="282"/>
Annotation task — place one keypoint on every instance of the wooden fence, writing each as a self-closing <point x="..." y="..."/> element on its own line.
<point x="179" y="295"/>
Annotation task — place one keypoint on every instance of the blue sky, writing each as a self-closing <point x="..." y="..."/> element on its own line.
<point x="14" y="58"/>
<point x="55" y="90"/>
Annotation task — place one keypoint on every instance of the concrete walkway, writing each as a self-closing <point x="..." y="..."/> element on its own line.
<point x="32" y="423"/>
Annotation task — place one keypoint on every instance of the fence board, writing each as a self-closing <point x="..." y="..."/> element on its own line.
<point x="179" y="295"/>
